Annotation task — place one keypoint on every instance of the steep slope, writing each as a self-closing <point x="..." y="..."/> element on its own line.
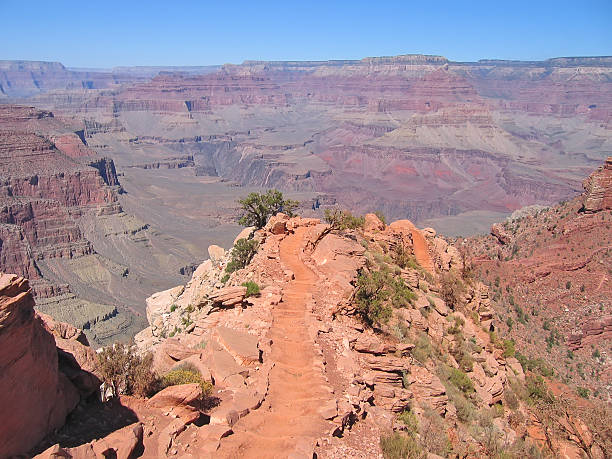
<point x="63" y="226"/>
<point x="550" y="271"/>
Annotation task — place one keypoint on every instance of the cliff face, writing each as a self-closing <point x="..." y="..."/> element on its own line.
<point x="35" y="395"/>
<point x="50" y="180"/>
<point x="26" y="78"/>
<point x="42" y="185"/>
<point x="598" y="189"/>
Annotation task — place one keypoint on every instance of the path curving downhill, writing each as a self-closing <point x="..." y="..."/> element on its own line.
<point x="288" y="423"/>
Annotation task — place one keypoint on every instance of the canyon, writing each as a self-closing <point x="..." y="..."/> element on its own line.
<point x="417" y="137"/>
<point x="148" y="162"/>
<point x="116" y="183"/>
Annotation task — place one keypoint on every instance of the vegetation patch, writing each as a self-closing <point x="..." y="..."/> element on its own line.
<point x="185" y="374"/>
<point x="257" y="208"/>
<point x="252" y="288"/>
<point x="243" y="252"/>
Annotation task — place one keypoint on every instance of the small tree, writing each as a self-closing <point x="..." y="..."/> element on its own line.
<point x="257" y="208"/>
<point x="242" y="253"/>
<point x="338" y="220"/>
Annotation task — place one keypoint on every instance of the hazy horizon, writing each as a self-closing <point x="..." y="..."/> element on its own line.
<point x="118" y="34"/>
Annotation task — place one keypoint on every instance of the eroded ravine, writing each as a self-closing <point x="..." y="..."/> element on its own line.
<point x="288" y="423"/>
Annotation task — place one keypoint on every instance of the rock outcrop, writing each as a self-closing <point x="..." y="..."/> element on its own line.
<point x="35" y="395"/>
<point x="598" y="189"/>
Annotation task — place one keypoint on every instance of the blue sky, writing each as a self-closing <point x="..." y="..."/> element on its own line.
<point x="112" y="33"/>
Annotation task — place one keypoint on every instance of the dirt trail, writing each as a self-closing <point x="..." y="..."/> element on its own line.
<point x="288" y="422"/>
<point x="421" y="251"/>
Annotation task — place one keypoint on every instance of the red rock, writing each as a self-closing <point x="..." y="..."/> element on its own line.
<point x="177" y="397"/>
<point x="373" y="223"/>
<point x="598" y="189"/>
<point x="77" y="360"/>
<point x="35" y="396"/>
<point x="229" y="296"/>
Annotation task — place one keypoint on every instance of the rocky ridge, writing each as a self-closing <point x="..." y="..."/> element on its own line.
<point x="308" y="348"/>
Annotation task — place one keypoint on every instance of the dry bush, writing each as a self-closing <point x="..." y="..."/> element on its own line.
<point x="126" y="372"/>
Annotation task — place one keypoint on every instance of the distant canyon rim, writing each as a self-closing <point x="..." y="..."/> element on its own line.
<point x="118" y="180"/>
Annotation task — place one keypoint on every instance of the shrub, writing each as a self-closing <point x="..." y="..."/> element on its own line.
<point x="402" y="296"/>
<point x="142" y="381"/>
<point x="422" y="350"/>
<point x="583" y="392"/>
<point x="509" y="349"/>
<point x="451" y="290"/>
<point x="408" y="418"/>
<point x="461" y="381"/>
<point x="186" y="374"/>
<point x="377" y="291"/>
<point x="252" y="288"/>
<point x="371" y="295"/>
<point x="343" y="219"/>
<point x="242" y="254"/>
<point x="126" y="372"/>
<point x="536" y="389"/>
<point x="398" y="446"/>
<point x="225" y="278"/>
<point x="403" y="257"/>
<point x="257" y="208"/>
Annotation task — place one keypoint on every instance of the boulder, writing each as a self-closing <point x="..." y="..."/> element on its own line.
<point x="373" y="223"/>
<point x="160" y="302"/>
<point x="216" y="254"/>
<point x="76" y="359"/>
<point x="244" y="234"/>
<point x="176" y="396"/>
<point x="240" y="345"/>
<point x="229" y="296"/>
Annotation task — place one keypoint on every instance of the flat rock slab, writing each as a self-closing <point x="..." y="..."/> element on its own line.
<point x="241" y="345"/>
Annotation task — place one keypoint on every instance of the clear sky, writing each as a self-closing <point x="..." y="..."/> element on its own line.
<point x="111" y="33"/>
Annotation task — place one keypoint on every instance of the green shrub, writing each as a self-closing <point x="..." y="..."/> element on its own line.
<point x="422" y="350"/>
<point x="173" y="308"/>
<point x="398" y="446"/>
<point x="252" y="288"/>
<point x="403" y="257"/>
<point x="343" y="219"/>
<point x="509" y="349"/>
<point x="257" y="208"/>
<point x="225" y="278"/>
<point x="186" y="374"/>
<point x="583" y="392"/>
<point x="371" y="295"/>
<point x="402" y="296"/>
<point x="536" y="389"/>
<point x="408" y="418"/>
<point x="461" y="381"/>
<point x="242" y="254"/>
<point x="452" y="289"/>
